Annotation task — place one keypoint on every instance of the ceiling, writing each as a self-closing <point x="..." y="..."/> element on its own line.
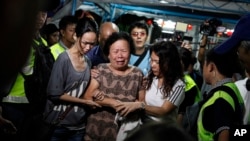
<point x="221" y="6"/>
<point x="227" y="10"/>
<point x="191" y="11"/>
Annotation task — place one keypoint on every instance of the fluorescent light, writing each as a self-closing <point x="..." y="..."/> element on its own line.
<point x="163" y="1"/>
<point x="166" y="31"/>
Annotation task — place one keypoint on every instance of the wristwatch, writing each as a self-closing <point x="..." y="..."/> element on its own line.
<point x="143" y="106"/>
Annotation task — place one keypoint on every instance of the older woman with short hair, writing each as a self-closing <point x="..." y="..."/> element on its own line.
<point x="118" y="81"/>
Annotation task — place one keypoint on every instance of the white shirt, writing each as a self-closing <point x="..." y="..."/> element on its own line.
<point x="241" y="84"/>
<point x="154" y="97"/>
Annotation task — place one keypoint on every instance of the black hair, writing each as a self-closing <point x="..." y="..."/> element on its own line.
<point x="67" y="20"/>
<point x="115" y="37"/>
<point x="170" y="65"/>
<point x="159" y="131"/>
<point x="227" y="63"/>
<point x="187" y="57"/>
<point x="84" y="25"/>
<point x="49" y="29"/>
<point x="78" y="13"/>
<point x="138" y="25"/>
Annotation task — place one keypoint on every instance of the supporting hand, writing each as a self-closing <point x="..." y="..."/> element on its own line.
<point x="127" y="107"/>
<point x="91" y="103"/>
<point x="98" y="95"/>
<point x="94" y="72"/>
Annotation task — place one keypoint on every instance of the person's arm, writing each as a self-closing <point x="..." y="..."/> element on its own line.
<point x="93" y="92"/>
<point x="166" y="108"/>
<point x="125" y="108"/>
<point x="68" y="98"/>
<point x="202" y="50"/>
<point x="170" y="103"/>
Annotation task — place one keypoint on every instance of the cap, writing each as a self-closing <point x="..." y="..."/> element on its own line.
<point x="241" y="33"/>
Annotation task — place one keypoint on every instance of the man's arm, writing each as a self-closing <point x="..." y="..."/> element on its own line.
<point x="202" y="50"/>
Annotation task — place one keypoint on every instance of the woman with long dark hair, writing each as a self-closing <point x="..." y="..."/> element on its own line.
<point x="165" y="87"/>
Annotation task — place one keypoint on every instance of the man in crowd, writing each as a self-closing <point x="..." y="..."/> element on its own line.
<point x="96" y="54"/>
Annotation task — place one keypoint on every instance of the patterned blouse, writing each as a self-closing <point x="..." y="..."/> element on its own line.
<point x="100" y="124"/>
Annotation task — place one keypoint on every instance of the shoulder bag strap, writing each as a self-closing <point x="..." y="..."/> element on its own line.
<point x="63" y="115"/>
<point x="138" y="61"/>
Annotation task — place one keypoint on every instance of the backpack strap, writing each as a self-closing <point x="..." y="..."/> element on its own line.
<point x="138" y="61"/>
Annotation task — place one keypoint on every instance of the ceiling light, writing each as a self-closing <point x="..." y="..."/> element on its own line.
<point x="163" y="1"/>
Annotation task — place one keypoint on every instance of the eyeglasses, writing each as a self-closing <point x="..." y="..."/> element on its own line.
<point x="88" y="43"/>
<point x="136" y="34"/>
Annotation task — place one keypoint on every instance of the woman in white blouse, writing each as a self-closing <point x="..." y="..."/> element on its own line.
<point x="165" y="86"/>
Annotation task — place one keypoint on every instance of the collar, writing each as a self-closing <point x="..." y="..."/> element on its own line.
<point x="62" y="45"/>
<point x="220" y="83"/>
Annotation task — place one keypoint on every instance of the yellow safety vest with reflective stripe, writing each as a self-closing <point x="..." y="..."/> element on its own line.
<point x="190" y="83"/>
<point x="56" y="49"/>
<point x="17" y="92"/>
<point x="203" y="134"/>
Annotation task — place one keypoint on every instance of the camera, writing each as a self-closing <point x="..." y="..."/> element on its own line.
<point x="208" y="27"/>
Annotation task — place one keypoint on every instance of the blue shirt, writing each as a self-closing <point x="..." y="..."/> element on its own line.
<point x="96" y="56"/>
<point x="145" y="63"/>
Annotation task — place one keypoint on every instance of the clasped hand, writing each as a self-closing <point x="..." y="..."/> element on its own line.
<point x="124" y="108"/>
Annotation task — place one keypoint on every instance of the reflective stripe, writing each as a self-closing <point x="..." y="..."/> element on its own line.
<point x="57" y="49"/>
<point x="190" y="83"/>
<point x="15" y="99"/>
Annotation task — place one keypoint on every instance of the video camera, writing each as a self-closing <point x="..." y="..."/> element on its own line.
<point x="208" y="27"/>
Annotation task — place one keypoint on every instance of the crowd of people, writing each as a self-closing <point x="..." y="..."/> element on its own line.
<point x="113" y="86"/>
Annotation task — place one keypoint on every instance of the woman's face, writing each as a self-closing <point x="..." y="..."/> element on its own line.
<point x="154" y="62"/>
<point x="119" y="54"/>
<point x="87" y="41"/>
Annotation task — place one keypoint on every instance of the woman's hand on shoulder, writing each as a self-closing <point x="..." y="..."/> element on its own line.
<point x="95" y="72"/>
